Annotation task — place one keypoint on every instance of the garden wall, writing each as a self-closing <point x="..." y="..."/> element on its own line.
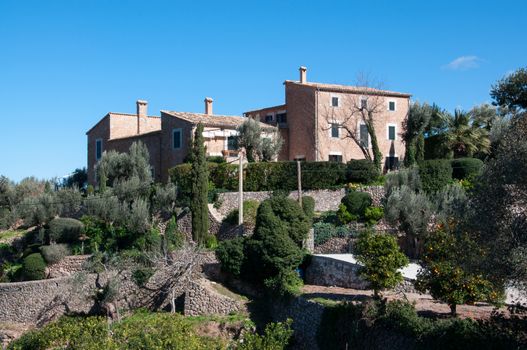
<point x="325" y="200"/>
<point x="306" y="316"/>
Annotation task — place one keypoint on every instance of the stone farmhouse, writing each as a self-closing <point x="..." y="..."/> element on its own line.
<point x="316" y="123"/>
<point x="318" y="119"/>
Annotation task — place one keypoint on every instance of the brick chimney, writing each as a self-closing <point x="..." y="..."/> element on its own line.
<point x="208" y="105"/>
<point x="142" y="114"/>
<point x="303" y="74"/>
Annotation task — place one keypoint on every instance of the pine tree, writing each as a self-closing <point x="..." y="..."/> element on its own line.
<point x="200" y="179"/>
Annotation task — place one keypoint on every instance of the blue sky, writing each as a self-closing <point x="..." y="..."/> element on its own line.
<point x="65" y="64"/>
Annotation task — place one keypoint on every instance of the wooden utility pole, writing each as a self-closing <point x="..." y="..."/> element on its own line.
<point x="299" y="175"/>
<point x="240" y="188"/>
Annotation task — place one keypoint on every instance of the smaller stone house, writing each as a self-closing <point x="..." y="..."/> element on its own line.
<point x="168" y="138"/>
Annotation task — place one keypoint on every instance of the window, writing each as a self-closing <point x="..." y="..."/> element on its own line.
<point x="98" y="149"/>
<point x="391" y="106"/>
<point x="335" y="130"/>
<point x="281" y="118"/>
<point x="334" y="101"/>
<point x="364" y="136"/>
<point x="363" y="103"/>
<point x="176" y="138"/>
<point x="337" y="158"/>
<point x="232" y="143"/>
<point x="391" y="132"/>
<point x="269" y="118"/>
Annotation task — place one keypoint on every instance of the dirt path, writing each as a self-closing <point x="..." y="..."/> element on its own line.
<point x="424" y="303"/>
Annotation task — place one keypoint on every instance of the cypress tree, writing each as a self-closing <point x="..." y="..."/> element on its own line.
<point x="200" y="185"/>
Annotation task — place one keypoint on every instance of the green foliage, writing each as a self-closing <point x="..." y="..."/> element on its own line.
<point x="211" y="242"/>
<point x="250" y="208"/>
<point x="344" y="216"/>
<point x="362" y="171"/>
<point x="435" y="174"/>
<point x="356" y="203"/>
<point x="381" y="259"/>
<point x="498" y="229"/>
<point x="33" y="267"/>
<point x="308" y="205"/>
<point x="444" y="277"/>
<point x="231" y="255"/>
<point x="65" y="230"/>
<point x="276" y="337"/>
<point x="216" y="159"/>
<point x="369" y="325"/>
<point x="466" y="168"/>
<point x="511" y="91"/>
<point x="199" y="189"/>
<point x="400" y="210"/>
<point x="271" y="255"/>
<point x="408" y="177"/>
<point x="324" y="231"/>
<point x="77" y="179"/>
<point x="114" y="166"/>
<point x="155" y="331"/>
<point x="173" y="239"/>
<point x="373" y="215"/>
<point x="419" y="116"/>
<point x="257" y="147"/>
<point x="141" y="275"/>
<point x="54" y="253"/>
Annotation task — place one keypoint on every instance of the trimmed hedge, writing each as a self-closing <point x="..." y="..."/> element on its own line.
<point x="435" y="174"/>
<point x="308" y="205"/>
<point x="65" y="230"/>
<point x="33" y="267"/>
<point x="361" y="170"/>
<point x="356" y="203"/>
<point x="272" y="176"/>
<point x="54" y="253"/>
<point x="466" y="168"/>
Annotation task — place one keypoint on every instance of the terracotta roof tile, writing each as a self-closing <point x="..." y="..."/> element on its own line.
<point x="349" y="88"/>
<point x="226" y="121"/>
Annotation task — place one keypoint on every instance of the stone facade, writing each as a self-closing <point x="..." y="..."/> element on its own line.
<point x="311" y="111"/>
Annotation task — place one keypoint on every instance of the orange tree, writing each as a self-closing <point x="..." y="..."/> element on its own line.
<point x="381" y="259"/>
<point x="443" y="274"/>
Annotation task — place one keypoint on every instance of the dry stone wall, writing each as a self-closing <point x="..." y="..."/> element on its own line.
<point x="202" y="299"/>
<point x="325" y="271"/>
<point x="325" y="200"/>
<point x="67" y="266"/>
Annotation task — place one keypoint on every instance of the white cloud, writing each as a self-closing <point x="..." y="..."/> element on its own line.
<point x="464" y="63"/>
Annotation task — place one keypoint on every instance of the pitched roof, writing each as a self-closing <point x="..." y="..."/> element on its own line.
<point x="349" y="88"/>
<point x="226" y="121"/>
<point x="112" y="114"/>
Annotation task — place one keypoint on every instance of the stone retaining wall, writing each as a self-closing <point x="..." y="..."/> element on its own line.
<point x="202" y="299"/>
<point x="306" y="316"/>
<point x="67" y="266"/>
<point x="325" y="271"/>
<point x="325" y="200"/>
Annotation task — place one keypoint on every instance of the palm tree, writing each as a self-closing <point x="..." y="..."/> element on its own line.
<point x="463" y="137"/>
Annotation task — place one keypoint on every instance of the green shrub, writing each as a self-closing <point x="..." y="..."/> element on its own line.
<point x="344" y="216"/>
<point x="65" y="230"/>
<point x="211" y="242"/>
<point x="373" y="215"/>
<point x="230" y="253"/>
<point x="276" y="337"/>
<point x="173" y="238"/>
<point x="54" y="253"/>
<point x="324" y="231"/>
<point x="216" y="159"/>
<point x="435" y="174"/>
<point x="250" y="208"/>
<point x="361" y="170"/>
<point x="141" y="275"/>
<point x="381" y="258"/>
<point x="466" y="168"/>
<point x="308" y="205"/>
<point x="33" y="267"/>
<point x="357" y="202"/>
